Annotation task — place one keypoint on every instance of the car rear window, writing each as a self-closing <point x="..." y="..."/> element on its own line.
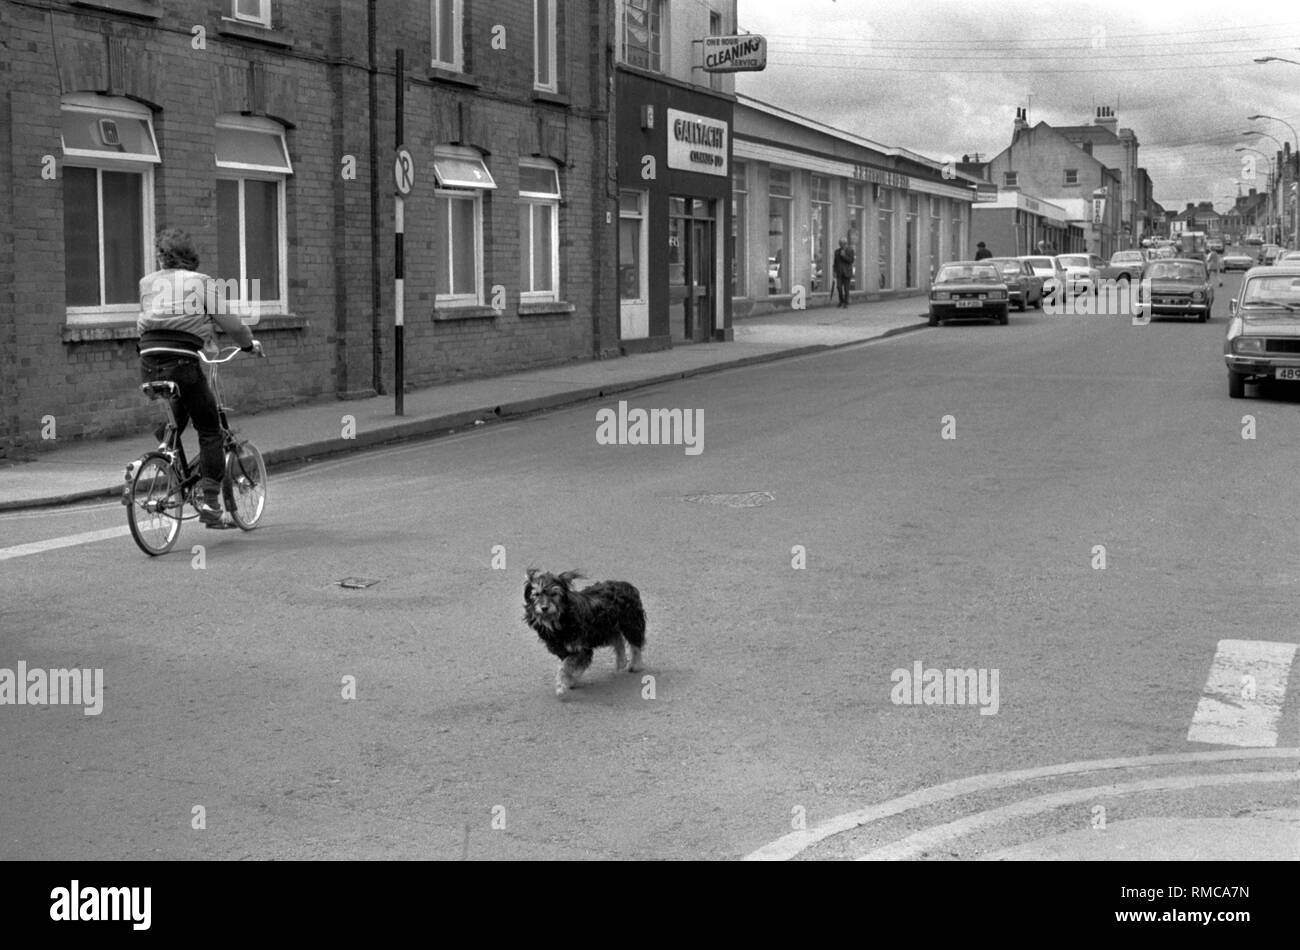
<point x="1074" y="261"/>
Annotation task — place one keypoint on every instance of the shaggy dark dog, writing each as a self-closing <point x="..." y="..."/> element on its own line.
<point x="573" y="623"/>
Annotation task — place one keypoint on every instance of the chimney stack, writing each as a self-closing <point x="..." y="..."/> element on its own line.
<point x="1022" y="122"/>
<point x="1105" y="118"/>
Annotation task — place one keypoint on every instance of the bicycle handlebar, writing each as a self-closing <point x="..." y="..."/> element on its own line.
<point x="234" y="350"/>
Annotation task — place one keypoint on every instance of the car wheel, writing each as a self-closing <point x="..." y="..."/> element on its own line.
<point x="1203" y="316"/>
<point x="1004" y="317"/>
<point x="934" y="321"/>
<point x="1022" y="306"/>
<point x="1236" y="385"/>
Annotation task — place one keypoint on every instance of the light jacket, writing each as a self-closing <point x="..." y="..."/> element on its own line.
<point x="177" y="312"/>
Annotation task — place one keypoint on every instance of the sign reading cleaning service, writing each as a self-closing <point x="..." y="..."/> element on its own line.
<point x="697" y="143"/>
<point x="735" y="54"/>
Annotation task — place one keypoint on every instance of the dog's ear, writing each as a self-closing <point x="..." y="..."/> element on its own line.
<point x="528" y="584"/>
<point x="568" y="577"/>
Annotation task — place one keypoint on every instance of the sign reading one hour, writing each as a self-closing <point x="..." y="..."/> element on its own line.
<point x="697" y="143"/>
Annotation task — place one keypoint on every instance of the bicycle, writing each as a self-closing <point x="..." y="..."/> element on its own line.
<point x="161" y="483"/>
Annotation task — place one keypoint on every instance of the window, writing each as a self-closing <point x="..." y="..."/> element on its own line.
<point x="252" y="164"/>
<point x="739" y="218"/>
<point x="448" y="49"/>
<point x="936" y="231"/>
<point x="857" y="226"/>
<point x="912" y="249"/>
<point x="820" y="230"/>
<point x="885" y="256"/>
<point x="1072" y="176"/>
<point x="715" y="29"/>
<point x="631" y="246"/>
<point x="1009" y="179"/>
<point x="253" y="11"/>
<point x="539" y="231"/>
<point x="778" y="230"/>
<point x="544" y="37"/>
<point x="109" y="152"/>
<point x="642" y="33"/>
<point x="460" y="178"/>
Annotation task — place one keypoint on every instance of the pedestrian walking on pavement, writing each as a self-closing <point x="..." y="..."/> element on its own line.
<point x="982" y="251"/>
<point x="843" y="268"/>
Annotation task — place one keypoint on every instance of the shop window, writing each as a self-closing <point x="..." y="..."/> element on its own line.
<point x="631" y="246"/>
<point x="820" y="231"/>
<point x="739" y="222"/>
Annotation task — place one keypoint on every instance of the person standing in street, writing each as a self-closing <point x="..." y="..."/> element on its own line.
<point x="982" y="252"/>
<point x="843" y="270"/>
<point x="1214" y="264"/>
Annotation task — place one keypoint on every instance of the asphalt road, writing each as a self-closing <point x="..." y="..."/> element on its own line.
<point x="768" y="697"/>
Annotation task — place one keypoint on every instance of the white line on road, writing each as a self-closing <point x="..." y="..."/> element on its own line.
<point x="915" y="845"/>
<point x="1244" y="694"/>
<point x="68" y="541"/>
<point x="790" y="845"/>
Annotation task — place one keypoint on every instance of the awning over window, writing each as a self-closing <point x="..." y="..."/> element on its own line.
<point x="461" y="169"/>
<point x="96" y="133"/>
<point x="248" y="145"/>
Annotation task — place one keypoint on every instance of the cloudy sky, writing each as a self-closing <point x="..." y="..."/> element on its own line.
<point x="944" y="78"/>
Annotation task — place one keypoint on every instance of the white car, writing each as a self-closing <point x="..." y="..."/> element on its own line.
<point x="1082" y="272"/>
<point x="1047" y="268"/>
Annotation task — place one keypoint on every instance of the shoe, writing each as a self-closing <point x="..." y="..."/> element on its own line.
<point x="210" y="512"/>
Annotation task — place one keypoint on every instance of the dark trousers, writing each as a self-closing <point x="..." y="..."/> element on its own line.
<point x="842" y="288"/>
<point x="196" y="404"/>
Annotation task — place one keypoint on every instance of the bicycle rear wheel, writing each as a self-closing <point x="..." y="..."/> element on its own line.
<point x="245" y="487"/>
<point x="156" y="505"/>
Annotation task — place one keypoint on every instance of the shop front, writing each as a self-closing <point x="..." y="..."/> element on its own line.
<point x="674" y="186"/>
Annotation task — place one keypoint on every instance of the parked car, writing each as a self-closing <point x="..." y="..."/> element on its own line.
<point x="1216" y="246"/>
<point x="1024" y="287"/>
<point x="1178" y="287"/>
<point x="1288" y="256"/>
<point x="968" y="289"/>
<point x="1050" y="270"/>
<point x="1082" y="272"/>
<point x="1263" y="340"/>
<point x="1269" y="253"/>
<point x="1238" y="260"/>
<point x="1124" y="265"/>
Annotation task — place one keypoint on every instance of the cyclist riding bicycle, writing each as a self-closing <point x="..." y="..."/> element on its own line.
<point x="178" y="306"/>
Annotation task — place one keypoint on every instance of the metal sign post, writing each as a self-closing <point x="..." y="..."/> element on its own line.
<point x="403" y="178"/>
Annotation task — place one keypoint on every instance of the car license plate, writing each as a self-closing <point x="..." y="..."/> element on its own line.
<point x="969" y="303"/>
<point x="1288" y="372"/>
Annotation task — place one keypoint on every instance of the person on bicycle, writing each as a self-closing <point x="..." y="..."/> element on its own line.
<point x="178" y="307"/>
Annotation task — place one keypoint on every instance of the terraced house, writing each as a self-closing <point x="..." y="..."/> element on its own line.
<point x="266" y="128"/>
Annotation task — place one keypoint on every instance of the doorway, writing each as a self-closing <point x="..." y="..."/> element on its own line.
<point x="692" y="268"/>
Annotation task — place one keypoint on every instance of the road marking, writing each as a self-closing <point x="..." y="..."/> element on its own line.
<point x="67" y="541"/>
<point x="917" y="844"/>
<point x="1244" y="693"/>
<point x="787" y="846"/>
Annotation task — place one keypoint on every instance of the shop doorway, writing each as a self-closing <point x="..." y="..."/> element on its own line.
<point x="692" y="269"/>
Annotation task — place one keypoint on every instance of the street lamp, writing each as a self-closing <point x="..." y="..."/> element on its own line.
<point x="1295" y="215"/>
<point x="1268" y="215"/>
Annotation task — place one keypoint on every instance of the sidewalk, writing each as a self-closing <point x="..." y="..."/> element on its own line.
<point x="88" y="469"/>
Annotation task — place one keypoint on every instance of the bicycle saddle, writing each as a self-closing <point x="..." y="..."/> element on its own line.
<point x="164" y="387"/>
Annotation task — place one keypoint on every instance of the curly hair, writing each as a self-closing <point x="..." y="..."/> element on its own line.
<point x="176" y="250"/>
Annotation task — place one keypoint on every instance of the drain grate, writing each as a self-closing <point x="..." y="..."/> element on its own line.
<point x="742" y="499"/>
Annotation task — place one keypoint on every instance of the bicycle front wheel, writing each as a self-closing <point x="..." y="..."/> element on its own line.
<point x="155" y="506"/>
<point x="245" y="487"/>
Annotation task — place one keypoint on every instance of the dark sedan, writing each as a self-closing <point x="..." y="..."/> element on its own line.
<point x="968" y="289"/>
<point x="1024" y="287"/>
<point x="1178" y="287"/>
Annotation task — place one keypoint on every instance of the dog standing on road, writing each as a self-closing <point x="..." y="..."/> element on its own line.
<point x="573" y="623"/>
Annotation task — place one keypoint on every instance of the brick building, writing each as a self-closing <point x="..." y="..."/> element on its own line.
<point x="266" y="130"/>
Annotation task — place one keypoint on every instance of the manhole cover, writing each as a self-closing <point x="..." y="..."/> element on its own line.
<point x="357" y="583"/>
<point x="740" y="499"/>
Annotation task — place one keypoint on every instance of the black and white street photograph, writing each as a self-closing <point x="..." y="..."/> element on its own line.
<point x="652" y="431"/>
